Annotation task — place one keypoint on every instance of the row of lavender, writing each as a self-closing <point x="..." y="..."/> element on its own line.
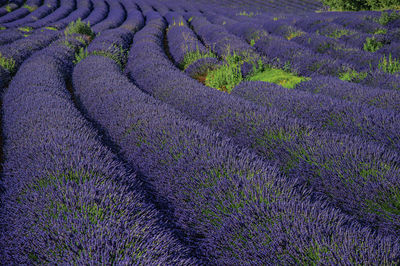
<point x="338" y="164"/>
<point x="229" y="203"/>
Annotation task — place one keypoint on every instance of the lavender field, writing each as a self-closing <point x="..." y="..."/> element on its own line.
<point x="161" y="132"/>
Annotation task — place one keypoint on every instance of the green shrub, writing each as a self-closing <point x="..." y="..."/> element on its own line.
<point x="193" y="56"/>
<point x="372" y="45"/>
<point x="355" y="5"/>
<point x="352" y="76"/>
<point x="30" y="8"/>
<point x="9" y="8"/>
<point x="7" y="63"/>
<point x="387" y="17"/>
<point x="25" y="29"/>
<point x="389" y="65"/>
<point x="50" y="28"/>
<point x="2" y="28"/>
<point x="80" y="55"/>
<point x="78" y="27"/>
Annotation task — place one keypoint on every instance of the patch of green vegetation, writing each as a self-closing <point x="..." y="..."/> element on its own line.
<point x="227" y="76"/>
<point x="293" y="33"/>
<point x="50" y="28"/>
<point x="387" y="17"/>
<point x="193" y="56"/>
<point x="25" y="29"/>
<point x="380" y="31"/>
<point x="389" y="65"/>
<point x="7" y="63"/>
<point x="190" y="19"/>
<point x="116" y="53"/>
<point x="180" y="23"/>
<point x="80" y="55"/>
<point x="352" y="76"/>
<point x="256" y="35"/>
<point x="9" y="8"/>
<point x="26" y="35"/>
<point x="248" y="14"/>
<point x="278" y="76"/>
<point x="357" y="5"/>
<point x="30" y="8"/>
<point x="336" y="34"/>
<point x="79" y="27"/>
<point x="2" y="28"/>
<point x="372" y="45"/>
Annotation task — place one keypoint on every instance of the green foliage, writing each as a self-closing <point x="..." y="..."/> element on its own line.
<point x="25" y="29"/>
<point x="356" y="5"/>
<point x="293" y="33"/>
<point x="9" y="8"/>
<point x="2" y="28"/>
<point x="389" y="65"/>
<point x="193" y="56"/>
<point x="30" y="8"/>
<point x="352" y="76"/>
<point x="116" y="53"/>
<point x="372" y="45"/>
<point x="227" y="76"/>
<point x="51" y="28"/>
<point x="81" y="54"/>
<point x="78" y="27"/>
<point x="278" y="76"/>
<point x="387" y="17"/>
<point x="244" y="13"/>
<point x="336" y="34"/>
<point x="7" y="63"/>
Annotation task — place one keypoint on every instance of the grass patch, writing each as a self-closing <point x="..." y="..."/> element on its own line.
<point x="30" y="8"/>
<point x="193" y="56"/>
<point x="9" y="8"/>
<point x="25" y="29"/>
<point x="2" y="28"/>
<point x="116" y="53"/>
<point x="389" y="65"/>
<point x="278" y="76"/>
<point x="7" y="63"/>
<point x="352" y="76"/>
<point x="372" y="45"/>
<point x="387" y="17"/>
<point x="50" y="28"/>
<point x="79" y="27"/>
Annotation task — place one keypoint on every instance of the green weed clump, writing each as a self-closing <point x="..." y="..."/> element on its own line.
<point x="278" y="76"/>
<point x="372" y="45"/>
<point x="116" y="53"/>
<point x="2" y="28"/>
<point x="227" y="76"/>
<point x="389" y="65"/>
<point x="50" y="28"/>
<point x="79" y="27"/>
<point x="352" y="76"/>
<point x="7" y="63"/>
<point x="357" y="5"/>
<point x="25" y="29"/>
<point x="247" y="14"/>
<point x="30" y="8"/>
<point x="387" y="17"/>
<point x="9" y="8"/>
<point x="193" y="56"/>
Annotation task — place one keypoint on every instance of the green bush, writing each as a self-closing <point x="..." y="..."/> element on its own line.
<point x="78" y="27"/>
<point x="372" y="45"/>
<point x="355" y="5"/>
<point x="389" y="65"/>
<point x="193" y="56"/>
<point x="387" y="17"/>
<point x="7" y="63"/>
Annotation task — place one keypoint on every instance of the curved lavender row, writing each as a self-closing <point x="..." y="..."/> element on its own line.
<point x="161" y="8"/>
<point x="181" y="39"/>
<point x="334" y="87"/>
<point x="16" y="13"/>
<point x="82" y="10"/>
<point x="322" y="111"/>
<point x="68" y="200"/>
<point x="99" y="12"/>
<point x="218" y="39"/>
<point x="199" y="67"/>
<point x="326" y="161"/>
<point x="238" y="205"/>
<point x="115" y="17"/>
<point x="48" y="7"/>
<point x="65" y="8"/>
<point x="10" y="35"/>
<point x="23" y="48"/>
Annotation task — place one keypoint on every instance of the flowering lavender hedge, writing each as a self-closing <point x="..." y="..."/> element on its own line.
<point x="323" y="111"/>
<point x="19" y="50"/>
<point x="82" y="10"/>
<point x="43" y="10"/>
<point x="65" y="8"/>
<point x="99" y="12"/>
<point x="334" y="87"/>
<point x="4" y="78"/>
<point x="67" y="198"/>
<point x="328" y="162"/>
<point x="10" y="35"/>
<point x="115" y="17"/>
<point x="238" y="208"/>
